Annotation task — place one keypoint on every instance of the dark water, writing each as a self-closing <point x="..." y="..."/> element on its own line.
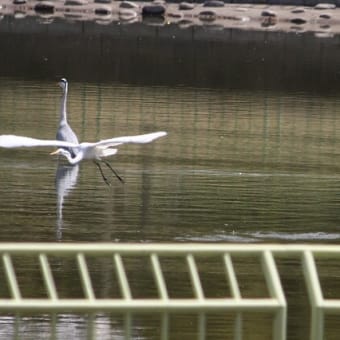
<point x="235" y="166"/>
<point x="251" y="156"/>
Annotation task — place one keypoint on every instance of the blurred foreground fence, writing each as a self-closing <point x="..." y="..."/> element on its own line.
<point x="164" y="301"/>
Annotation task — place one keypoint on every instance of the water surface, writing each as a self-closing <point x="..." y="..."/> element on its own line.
<point x="251" y="156"/>
<point x="235" y="166"/>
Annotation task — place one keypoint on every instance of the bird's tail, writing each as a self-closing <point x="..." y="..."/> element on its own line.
<point x="109" y="152"/>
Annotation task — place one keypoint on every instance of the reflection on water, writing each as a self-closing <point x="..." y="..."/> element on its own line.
<point x="66" y="180"/>
<point x="136" y="326"/>
<point x="259" y="236"/>
<point x="203" y="57"/>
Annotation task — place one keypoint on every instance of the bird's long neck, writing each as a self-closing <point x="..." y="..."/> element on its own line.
<point x="73" y="160"/>
<point x="63" y="108"/>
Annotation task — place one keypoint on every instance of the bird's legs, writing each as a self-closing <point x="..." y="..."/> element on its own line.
<point x="113" y="171"/>
<point x="102" y="173"/>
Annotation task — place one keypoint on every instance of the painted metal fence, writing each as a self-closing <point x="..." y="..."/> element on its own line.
<point x="164" y="303"/>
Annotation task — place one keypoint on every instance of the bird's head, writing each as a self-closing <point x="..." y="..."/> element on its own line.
<point x="63" y="83"/>
<point x="62" y="152"/>
<point x="67" y="154"/>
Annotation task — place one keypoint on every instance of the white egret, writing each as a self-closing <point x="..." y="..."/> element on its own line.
<point x="91" y="151"/>
<point x="65" y="132"/>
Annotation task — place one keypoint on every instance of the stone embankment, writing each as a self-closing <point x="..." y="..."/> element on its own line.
<point x="285" y="15"/>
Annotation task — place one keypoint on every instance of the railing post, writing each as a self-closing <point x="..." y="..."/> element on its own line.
<point x="158" y="275"/>
<point x="11" y="277"/>
<point x="85" y="277"/>
<point x="122" y="278"/>
<point x="195" y="279"/>
<point x="315" y="295"/>
<point x="275" y="290"/>
<point x="48" y="277"/>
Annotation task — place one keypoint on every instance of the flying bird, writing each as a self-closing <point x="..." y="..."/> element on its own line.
<point x="64" y="131"/>
<point x="90" y="151"/>
<point x="66" y="134"/>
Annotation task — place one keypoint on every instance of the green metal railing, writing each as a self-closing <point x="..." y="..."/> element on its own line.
<point x="163" y="303"/>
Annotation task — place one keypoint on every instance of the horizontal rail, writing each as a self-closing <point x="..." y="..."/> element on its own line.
<point x="331" y="306"/>
<point x="138" y="305"/>
<point x="165" y="248"/>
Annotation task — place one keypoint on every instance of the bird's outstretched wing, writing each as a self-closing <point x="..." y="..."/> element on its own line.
<point x="139" y="139"/>
<point x="13" y="141"/>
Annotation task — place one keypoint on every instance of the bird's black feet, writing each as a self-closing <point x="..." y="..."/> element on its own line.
<point x="113" y="171"/>
<point x="107" y="182"/>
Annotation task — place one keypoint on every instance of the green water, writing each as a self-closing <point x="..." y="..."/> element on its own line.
<point x="251" y="156"/>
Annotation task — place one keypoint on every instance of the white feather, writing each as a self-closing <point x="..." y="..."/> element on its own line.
<point x="84" y="150"/>
<point x="139" y="139"/>
<point x="12" y="141"/>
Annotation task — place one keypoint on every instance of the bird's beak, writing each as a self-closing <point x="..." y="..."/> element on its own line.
<point x="54" y="152"/>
